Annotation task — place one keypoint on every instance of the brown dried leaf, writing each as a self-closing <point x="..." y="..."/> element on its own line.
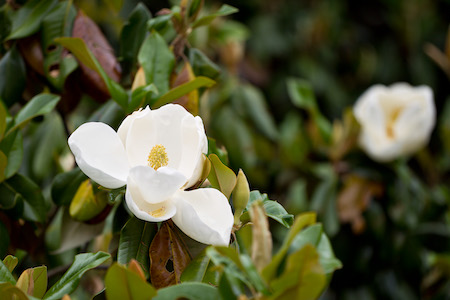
<point x="134" y="266"/>
<point x="190" y="100"/>
<point x="90" y="33"/>
<point x="353" y="200"/>
<point x="168" y="257"/>
<point x="31" y="50"/>
<point x="261" y="237"/>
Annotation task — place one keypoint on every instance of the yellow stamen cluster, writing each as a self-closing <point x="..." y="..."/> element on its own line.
<point x="391" y="121"/>
<point x="158" y="157"/>
<point x="158" y="213"/>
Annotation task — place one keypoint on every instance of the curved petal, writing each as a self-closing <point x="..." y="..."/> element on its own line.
<point x="100" y="154"/>
<point x="148" y="212"/>
<point x="125" y="126"/>
<point x="205" y="215"/>
<point x="154" y="186"/>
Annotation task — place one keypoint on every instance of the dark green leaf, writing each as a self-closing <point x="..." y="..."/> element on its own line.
<point x="123" y="284"/>
<point x="34" y="204"/>
<point x="12" y="146"/>
<point x="5" y="25"/>
<point x="39" y="105"/>
<point x="65" y="185"/>
<point x="27" y="19"/>
<point x="224" y="10"/>
<point x="188" y="290"/>
<point x="78" y="48"/>
<point x="253" y="274"/>
<point x="5" y="274"/>
<point x="324" y="202"/>
<point x="4" y="244"/>
<point x="12" y="85"/>
<point x="141" y="96"/>
<point x="132" y="36"/>
<point x="201" y="269"/>
<point x="3" y="115"/>
<point x="202" y="65"/>
<point x="302" y="94"/>
<point x="70" y="280"/>
<point x="134" y="243"/>
<point x="3" y="164"/>
<point x="157" y="60"/>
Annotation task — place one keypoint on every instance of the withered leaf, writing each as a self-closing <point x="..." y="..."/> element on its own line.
<point x="353" y="200"/>
<point x="90" y="33"/>
<point x="168" y="257"/>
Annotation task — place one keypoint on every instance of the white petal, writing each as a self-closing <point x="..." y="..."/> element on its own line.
<point x="125" y="126"/>
<point x="205" y="215"/>
<point x="154" y="186"/>
<point x="100" y="154"/>
<point x="148" y="212"/>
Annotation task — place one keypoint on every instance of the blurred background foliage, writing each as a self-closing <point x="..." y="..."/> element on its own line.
<point x="389" y="223"/>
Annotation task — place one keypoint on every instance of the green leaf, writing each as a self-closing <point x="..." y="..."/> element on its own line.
<point x="33" y="281"/>
<point x="135" y="239"/>
<point x="315" y="236"/>
<point x="202" y="65"/>
<point x="301" y="221"/>
<point x="302" y="94"/>
<point x="132" y="36"/>
<point x="201" y="269"/>
<point x="70" y="280"/>
<point x="78" y="48"/>
<point x="56" y="24"/>
<point x="5" y="274"/>
<point x="302" y="278"/>
<point x="253" y="274"/>
<point x="273" y="209"/>
<point x="85" y="204"/>
<point x="34" y="203"/>
<point x="3" y="165"/>
<point x="27" y="19"/>
<point x="157" y="60"/>
<point x="323" y="201"/>
<point x="224" y="10"/>
<point x="184" y="89"/>
<point x="188" y="290"/>
<point x="123" y="284"/>
<point x="241" y="195"/>
<point x="142" y="96"/>
<point x="3" y="115"/>
<point x="12" y="85"/>
<point x="9" y="291"/>
<point x="65" y="185"/>
<point x="221" y="177"/>
<point x="10" y="262"/>
<point x="38" y="105"/>
<point x="12" y="147"/>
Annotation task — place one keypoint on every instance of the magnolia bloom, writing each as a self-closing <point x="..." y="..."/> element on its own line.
<point x="157" y="154"/>
<point x="395" y="120"/>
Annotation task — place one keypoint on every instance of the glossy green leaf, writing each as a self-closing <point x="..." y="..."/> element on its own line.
<point x="65" y="185"/>
<point x="224" y="10"/>
<point x="27" y="19"/>
<point x="123" y="284"/>
<point x="10" y="262"/>
<point x="142" y="96"/>
<point x="56" y="24"/>
<point x="78" y="48"/>
<point x="157" y="60"/>
<point x="34" y="204"/>
<point x="188" y="290"/>
<point x="39" y="105"/>
<point x="273" y="209"/>
<point x="221" y="177"/>
<point x="5" y="274"/>
<point x="201" y="269"/>
<point x="184" y="89"/>
<point x="12" y="85"/>
<point x="132" y="36"/>
<point x="9" y="291"/>
<point x="202" y="65"/>
<point x="33" y="281"/>
<point x="12" y="147"/>
<point x="135" y="239"/>
<point x="70" y="280"/>
<point x="302" y="277"/>
<point x="301" y="221"/>
<point x="220" y="152"/>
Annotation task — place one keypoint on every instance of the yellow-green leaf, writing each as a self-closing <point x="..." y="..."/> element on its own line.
<point x="221" y="177"/>
<point x="33" y="281"/>
<point x="85" y="205"/>
<point x="241" y="194"/>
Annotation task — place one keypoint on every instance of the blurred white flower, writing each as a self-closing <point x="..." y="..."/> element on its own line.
<point x="157" y="154"/>
<point x="395" y="121"/>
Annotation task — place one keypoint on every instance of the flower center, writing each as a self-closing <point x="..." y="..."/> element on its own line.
<point x="391" y="121"/>
<point x="158" y="213"/>
<point x="158" y="157"/>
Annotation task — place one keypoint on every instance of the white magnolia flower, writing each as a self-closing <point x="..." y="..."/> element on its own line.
<point x="157" y="154"/>
<point x="395" y="120"/>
